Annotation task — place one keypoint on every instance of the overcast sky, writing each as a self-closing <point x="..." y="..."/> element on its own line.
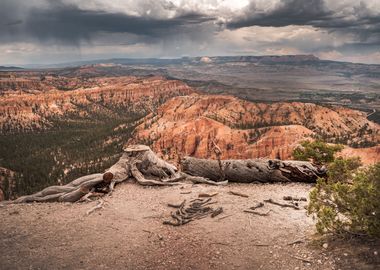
<point x="53" y="31"/>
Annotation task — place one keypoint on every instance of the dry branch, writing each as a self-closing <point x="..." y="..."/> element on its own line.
<point x="290" y="198"/>
<point x="282" y="204"/>
<point x="258" y="213"/>
<point x="207" y="195"/>
<point x="258" y="205"/>
<point x="238" y="194"/>
<point x="196" y="209"/>
<point x="96" y="207"/>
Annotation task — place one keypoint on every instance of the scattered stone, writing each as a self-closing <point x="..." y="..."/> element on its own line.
<point x="325" y="245"/>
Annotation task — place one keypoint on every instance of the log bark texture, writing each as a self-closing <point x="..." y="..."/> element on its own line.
<point x="253" y="170"/>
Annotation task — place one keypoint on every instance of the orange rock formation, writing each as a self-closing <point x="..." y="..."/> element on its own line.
<point x="187" y="125"/>
<point x="20" y="112"/>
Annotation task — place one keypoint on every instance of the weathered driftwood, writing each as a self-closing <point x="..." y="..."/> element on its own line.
<point x="253" y="170"/>
<point x="196" y="209"/>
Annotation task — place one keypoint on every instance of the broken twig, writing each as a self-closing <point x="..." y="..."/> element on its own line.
<point x="258" y="213"/>
<point x="290" y="198"/>
<point x="185" y="192"/>
<point x="98" y="206"/>
<point x="225" y="217"/>
<point x="259" y="205"/>
<point x="238" y="194"/>
<point x="301" y="259"/>
<point x="217" y="212"/>
<point x="299" y="241"/>
<point x="281" y="204"/>
<point x="207" y="195"/>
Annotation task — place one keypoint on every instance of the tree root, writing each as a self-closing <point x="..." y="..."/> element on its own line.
<point x="202" y="180"/>
<point x="197" y="209"/>
<point x="147" y="182"/>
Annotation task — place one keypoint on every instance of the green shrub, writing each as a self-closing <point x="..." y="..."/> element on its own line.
<point x="348" y="201"/>
<point x="317" y="152"/>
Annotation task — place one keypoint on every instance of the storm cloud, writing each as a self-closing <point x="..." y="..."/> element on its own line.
<point x="286" y="12"/>
<point x="51" y="30"/>
<point x="69" y="24"/>
<point x="356" y="18"/>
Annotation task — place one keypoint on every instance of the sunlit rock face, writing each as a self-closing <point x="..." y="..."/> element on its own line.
<point x="107" y="96"/>
<point x="187" y="125"/>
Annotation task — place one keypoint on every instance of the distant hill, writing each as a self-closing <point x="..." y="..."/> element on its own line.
<point x="5" y="68"/>
<point x="190" y="60"/>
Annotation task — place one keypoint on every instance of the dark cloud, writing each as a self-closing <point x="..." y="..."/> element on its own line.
<point x="69" y="24"/>
<point x="359" y="20"/>
<point x="161" y="28"/>
<point x="286" y="12"/>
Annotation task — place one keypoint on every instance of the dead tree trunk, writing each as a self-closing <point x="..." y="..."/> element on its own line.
<point x="253" y="170"/>
<point x="138" y="162"/>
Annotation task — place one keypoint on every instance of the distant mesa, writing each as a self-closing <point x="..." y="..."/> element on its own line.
<point x="188" y="60"/>
<point x="206" y="59"/>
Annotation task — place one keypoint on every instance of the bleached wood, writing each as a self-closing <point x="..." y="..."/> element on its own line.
<point x="253" y="170"/>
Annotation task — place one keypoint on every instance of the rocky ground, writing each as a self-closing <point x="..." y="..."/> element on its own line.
<point x="128" y="233"/>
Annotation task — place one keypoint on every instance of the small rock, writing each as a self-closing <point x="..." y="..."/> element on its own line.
<point x="375" y="253"/>
<point x="325" y="245"/>
<point x="319" y="261"/>
<point x="345" y="254"/>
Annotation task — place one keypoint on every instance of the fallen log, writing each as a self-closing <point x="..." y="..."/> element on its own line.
<point x="253" y="170"/>
<point x="139" y="162"/>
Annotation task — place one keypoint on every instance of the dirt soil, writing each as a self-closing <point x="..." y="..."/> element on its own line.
<point x="128" y="233"/>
